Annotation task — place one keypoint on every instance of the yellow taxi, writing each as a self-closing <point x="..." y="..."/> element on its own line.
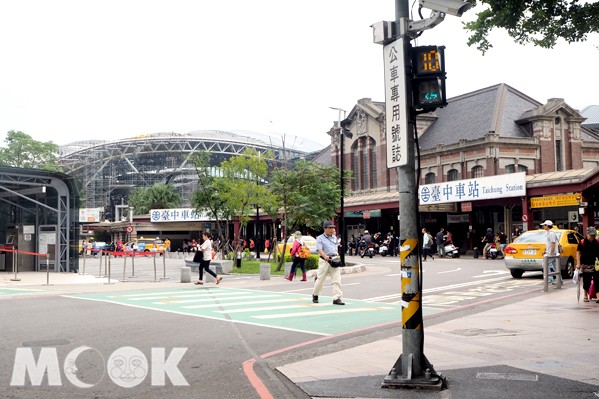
<point x="145" y="245"/>
<point x="526" y="252"/>
<point x="308" y="241"/>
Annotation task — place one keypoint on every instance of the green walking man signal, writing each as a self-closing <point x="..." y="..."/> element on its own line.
<point x="428" y="77"/>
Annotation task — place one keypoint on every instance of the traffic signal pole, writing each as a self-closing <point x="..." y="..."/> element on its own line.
<point x="422" y="69"/>
<point x="412" y="369"/>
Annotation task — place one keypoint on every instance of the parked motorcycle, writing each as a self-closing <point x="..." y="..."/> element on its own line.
<point x="384" y="248"/>
<point x="452" y="250"/>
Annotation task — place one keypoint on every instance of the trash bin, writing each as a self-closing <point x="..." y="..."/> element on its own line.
<point x="264" y="271"/>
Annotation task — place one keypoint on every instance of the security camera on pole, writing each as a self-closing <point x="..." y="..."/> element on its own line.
<point x="414" y="83"/>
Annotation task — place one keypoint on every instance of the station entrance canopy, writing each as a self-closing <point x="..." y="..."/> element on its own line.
<point x="38" y="214"/>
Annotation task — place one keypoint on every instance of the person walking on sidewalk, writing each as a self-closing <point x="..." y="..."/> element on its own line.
<point x="551" y="249"/>
<point x="206" y="251"/>
<point x="327" y="246"/>
<point x="586" y="254"/>
<point x="295" y="254"/>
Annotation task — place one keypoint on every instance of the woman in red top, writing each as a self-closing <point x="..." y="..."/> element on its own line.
<point x="295" y="249"/>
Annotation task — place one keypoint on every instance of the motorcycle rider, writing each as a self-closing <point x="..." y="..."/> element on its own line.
<point x="488" y="239"/>
<point x="366" y="240"/>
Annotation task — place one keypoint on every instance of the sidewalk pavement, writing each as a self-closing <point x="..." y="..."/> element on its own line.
<point x="542" y="347"/>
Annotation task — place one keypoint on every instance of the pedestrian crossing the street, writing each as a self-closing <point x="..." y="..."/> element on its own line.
<point x="288" y="311"/>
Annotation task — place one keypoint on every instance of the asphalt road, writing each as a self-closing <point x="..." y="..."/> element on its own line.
<point x="231" y="337"/>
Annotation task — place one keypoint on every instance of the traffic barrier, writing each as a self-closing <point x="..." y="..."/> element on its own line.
<point x="15" y="261"/>
<point x="547" y="274"/>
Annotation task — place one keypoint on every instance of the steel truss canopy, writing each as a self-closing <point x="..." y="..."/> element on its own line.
<point x="109" y="170"/>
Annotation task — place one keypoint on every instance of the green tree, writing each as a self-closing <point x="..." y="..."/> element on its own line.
<point x="309" y="193"/>
<point x="241" y="185"/>
<point x="159" y="196"/>
<point x="541" y="22"/>
<point x="207" y="198"/>
<point x="22" y="151"/>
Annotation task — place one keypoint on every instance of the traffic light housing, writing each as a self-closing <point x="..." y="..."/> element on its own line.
<point x="428" y="78"/>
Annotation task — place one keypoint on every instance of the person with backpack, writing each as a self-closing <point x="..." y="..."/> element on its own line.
<point x="299" y="256"/>
<point x="586" y="255"/>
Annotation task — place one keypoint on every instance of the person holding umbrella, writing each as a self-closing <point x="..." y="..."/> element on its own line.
<point x="586" y="254"/>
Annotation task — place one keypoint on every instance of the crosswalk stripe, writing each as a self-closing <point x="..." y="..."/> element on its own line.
<point x="294" y="306"/>
<point x="215" y="304"/>
<point x="321" y="312"/>
<point x="197" y="294"/>
<point x="220" y="299"/>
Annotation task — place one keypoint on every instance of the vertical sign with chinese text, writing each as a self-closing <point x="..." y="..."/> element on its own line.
<point x="395" y="104"/>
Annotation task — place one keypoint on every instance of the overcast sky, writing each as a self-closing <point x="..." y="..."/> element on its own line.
<point x="83" y="69"/>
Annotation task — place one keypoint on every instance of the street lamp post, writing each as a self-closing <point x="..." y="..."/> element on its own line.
<point x="341" y="125"/>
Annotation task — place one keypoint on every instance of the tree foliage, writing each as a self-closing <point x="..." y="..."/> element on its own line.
<point x="309" y="194"/>
<point x="22" y="151"/>
<point x="241" y="186"/>
<point x="207" y="198"/>
<point x="159" y="196"/>
<point x="541" y="22"/>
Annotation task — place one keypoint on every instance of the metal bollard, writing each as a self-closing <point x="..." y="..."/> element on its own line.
<point x="84" y="252"/>
<point x="109" y="262"/>
<point x="133" y="264"/>
<point x="47" y="270"/>
<point x="155" y="267"/>
<point x="475" y="252"/>
<point x="164" y="266"/>
<point x="124" y="268"/>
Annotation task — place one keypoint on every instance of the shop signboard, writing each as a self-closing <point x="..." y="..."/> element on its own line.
<point x="550" y="201"/>
<point x="366" y="214"/>
<point x="482" y="188"/>
<point x="177" y="215"/>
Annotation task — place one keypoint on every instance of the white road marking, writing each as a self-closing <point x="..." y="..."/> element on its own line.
<point x="279" y="300"/>
<point x="491" y="272"/>
<point x="220" y="299"/>
<point x="321" y="312"/>
<point x="450" y="271"/>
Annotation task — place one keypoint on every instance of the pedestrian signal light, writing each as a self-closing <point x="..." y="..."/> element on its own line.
<point x="428" y="77"/>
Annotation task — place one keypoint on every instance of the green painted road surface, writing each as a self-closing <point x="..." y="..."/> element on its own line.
<point x="287" y="311"/>
<point x="5" y="292"/>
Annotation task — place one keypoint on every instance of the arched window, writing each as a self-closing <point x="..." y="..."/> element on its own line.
<point x="452" y="175"/>
<point x="429" y="178"/>
<point x="515" y="168"/>
<point x="478" y="171"/>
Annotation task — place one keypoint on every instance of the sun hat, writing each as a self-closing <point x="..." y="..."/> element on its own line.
<point x="328" y="223"/>
<point x="591" y="231"/>
<point x="547" y="223"/>
<point x="297" y="234"/>
<point x="366" y="232"/>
